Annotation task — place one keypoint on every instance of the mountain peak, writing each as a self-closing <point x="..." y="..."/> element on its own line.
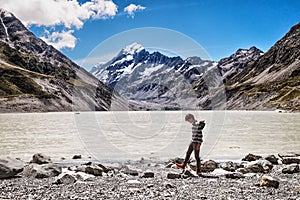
<point x="5" y="13"/>
<point x="133" y="48"/>
<point x="251" y="50"/>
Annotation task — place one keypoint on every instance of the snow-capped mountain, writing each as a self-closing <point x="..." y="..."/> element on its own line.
<point x="141" y="76"/>
<point x="247" y="79"/>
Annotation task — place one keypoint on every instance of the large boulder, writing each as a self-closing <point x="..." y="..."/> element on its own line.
<point x="9" y="167"/>
<point x="40" y="158"/>
<point x="42" y="171"/>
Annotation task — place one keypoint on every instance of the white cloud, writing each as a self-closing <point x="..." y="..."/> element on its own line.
<point x="69" y="14"/>
<point x="60" y="40"/>
<point x="59" y="12"/>
<point x="132" y="8"/>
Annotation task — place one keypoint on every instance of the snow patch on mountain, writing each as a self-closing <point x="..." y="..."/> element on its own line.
<point x="133" y="48"/>
<point x="148" y="71"/>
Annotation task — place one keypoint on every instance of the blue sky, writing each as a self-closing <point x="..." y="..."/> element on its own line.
<point x="220" y="27"/>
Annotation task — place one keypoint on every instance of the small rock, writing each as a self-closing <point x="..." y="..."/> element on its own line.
<point x="251" y="157"/>
<point x="94" y="170"/>
<point x="288" y="155"/>
<point x="291" y="169"/>
<point x="173" y="176"/>
<point x="243" y="170"/>
<point x="255" y="168"/>
<point x="66" y="179"/>
<point x="272" y="159"/>
<point x="176" y="160"/>
<point x="235" y="175"/>
<point x="266" y="169"/>
<point x="297" y="189"/>
<point x="229" y="166"/>
<point x="105" y="169"/>
<point x="133" y="182"/>
<point x="259" y="166"/>
<point x="40" y="158"/>
<point x="209" y="166"/>
<point x="150" y="185"/>
<point x="9" y="167"/>
<point x="291" y="160"/>
<point x="42" y="171"/>
<point x="79" y="169"/>
<point x="148" y="174"/>
<point x="269" y="181"/>
<point x="76" y="157"/>
<point x="130" y="172"/>
<point x="168" y="185"/>
<point x="240" y="190"/>
<point x="88" y="163"/>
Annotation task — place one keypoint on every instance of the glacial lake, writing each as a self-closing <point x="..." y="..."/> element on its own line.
<point x="148" y="135"/>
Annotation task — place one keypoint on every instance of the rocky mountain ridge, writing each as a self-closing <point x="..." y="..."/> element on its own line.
<point x="273" y="80"/>
<point x="155" y="80"/>
<point x="37" y="77"/>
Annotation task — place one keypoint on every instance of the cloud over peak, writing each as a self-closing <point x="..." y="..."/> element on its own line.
<point x="132" y="8"/>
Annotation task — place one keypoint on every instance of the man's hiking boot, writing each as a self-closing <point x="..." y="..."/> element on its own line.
<point x="181" y="166"/>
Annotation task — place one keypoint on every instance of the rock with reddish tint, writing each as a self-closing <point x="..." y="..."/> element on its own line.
<point x="268" y="181"/>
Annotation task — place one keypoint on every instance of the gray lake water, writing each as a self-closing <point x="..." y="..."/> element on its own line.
<point x="155" y="136"/>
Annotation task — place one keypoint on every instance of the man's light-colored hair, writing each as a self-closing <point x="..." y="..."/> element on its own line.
<point x="189" y="116"/>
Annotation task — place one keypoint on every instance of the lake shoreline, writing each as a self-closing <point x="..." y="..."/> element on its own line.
<point x="144" y="179"/>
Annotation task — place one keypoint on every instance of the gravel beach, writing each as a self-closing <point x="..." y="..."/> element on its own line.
<point x="146" y="180"/>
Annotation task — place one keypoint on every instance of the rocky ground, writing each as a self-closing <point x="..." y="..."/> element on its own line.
<point x="253" y="178"/>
